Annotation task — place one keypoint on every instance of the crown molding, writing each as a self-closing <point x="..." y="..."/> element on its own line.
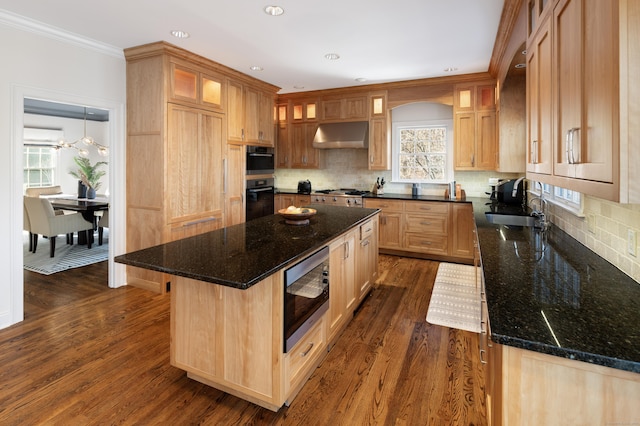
<point x="40" y="28"/>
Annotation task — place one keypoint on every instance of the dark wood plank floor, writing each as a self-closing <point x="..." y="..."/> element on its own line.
<point x="86" y="355"/>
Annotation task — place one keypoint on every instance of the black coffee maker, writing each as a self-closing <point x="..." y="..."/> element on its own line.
<point x="304" y="187"/>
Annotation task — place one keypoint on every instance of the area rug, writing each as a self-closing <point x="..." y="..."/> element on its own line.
<point x="66" y="256"/>
<point x="455" y="301"/>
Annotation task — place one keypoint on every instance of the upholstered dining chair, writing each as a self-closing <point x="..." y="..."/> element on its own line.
<point x="102" y="223"/>
<point x="26" y="225"/>
<point x="45" y="222"/>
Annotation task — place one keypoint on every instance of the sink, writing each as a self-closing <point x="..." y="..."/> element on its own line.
<point x="510" y="219"/>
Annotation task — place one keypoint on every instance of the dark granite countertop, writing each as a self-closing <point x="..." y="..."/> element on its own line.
<point x="242" y="255"/>
<point x="548" y="293"/>
<point x="409" y="197"/>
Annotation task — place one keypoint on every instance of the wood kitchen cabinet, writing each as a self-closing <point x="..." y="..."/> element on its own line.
<point x="195" y="178"/>
<point x="475" y="127"/>
<point x="462" y="231"/>
<point x="352" y="108"/>
<point x="366" y="258"/>
<point x="282" y="201"/>
<point x="303" y="154"/>
<point x="391" y="221"/>
<point x="379" y="132"/>
<point x="426" y="227"/>
<point x="197" y="87"/>
<point x="539" y="99"/>
<point x="251" y="115"/>
<point x="593" y="96"/>
<point x="234" y="184"/>
<point x="586" y="97"/>
<point x="342" y="278"/>
<point x="177" y="117"/>
<point x="433" y="230"/>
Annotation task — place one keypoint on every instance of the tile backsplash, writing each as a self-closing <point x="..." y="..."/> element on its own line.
<point x="347" y="168"/>
<point x="604" y="229"/>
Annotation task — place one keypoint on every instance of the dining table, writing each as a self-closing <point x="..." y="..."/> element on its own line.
<point x="86" y="207"/>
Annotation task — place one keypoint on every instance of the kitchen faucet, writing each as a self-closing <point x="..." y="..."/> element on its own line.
<point x="541" y="212"/>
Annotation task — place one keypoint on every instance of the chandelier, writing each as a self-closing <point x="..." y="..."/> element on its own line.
<point x="87" y="141"/>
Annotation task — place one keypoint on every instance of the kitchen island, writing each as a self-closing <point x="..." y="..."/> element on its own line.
<point x="227" y="297"/>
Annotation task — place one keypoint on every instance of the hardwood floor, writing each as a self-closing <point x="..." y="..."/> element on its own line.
<point x="86" y="355"/>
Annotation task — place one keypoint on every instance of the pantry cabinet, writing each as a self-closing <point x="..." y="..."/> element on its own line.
<point x="475" y="127"/>
<point x="181" y="178"/>
<point x="593" y="97"/>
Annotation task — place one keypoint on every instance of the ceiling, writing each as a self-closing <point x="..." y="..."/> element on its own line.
<point x="378" y="41"/>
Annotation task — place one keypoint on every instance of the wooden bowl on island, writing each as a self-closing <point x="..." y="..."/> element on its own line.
<point x="296" y="215"/>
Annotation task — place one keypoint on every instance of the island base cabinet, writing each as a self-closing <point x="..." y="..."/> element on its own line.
<point x="230" y="339"/>
<point x="541" y="389"/>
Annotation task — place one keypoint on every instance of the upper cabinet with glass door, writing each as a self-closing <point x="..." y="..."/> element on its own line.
<point x="196" y="87"/>
<point x="537" y="11"/>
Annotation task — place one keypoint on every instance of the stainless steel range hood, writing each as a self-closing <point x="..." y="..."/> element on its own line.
<point x="342" y="135"/>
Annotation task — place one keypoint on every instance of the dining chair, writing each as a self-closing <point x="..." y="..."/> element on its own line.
<point x="103" y="223"/>
<point x="26" y="225"/>
<point x="45" y="222"/>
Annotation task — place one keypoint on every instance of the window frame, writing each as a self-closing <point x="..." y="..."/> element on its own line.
<point x="26" y="168"/>
<point x="397" y="127"/>
<point x="572" y="201"/>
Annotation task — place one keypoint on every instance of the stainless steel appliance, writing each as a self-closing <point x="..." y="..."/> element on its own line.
<point x="306" y="296"/>
<point x="260" y="160"/>
<point x="260" y="198"/>
<point x="339" y="197"/>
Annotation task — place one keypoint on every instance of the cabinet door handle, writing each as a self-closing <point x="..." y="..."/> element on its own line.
<point x="573" y="152"/>
<point x="483" y="357"/>
<point x="224" y="175"/>
<point x="365" y="243"/>
<point x="426" y="243"/>
<point x="371" y="159"/>
<point x="534" y="152"/>
<point x="195" y="222"/>
<point x="425" y="223"/>
<point x="425" y="208"/>
<point x="242" y="134"/>
<point x="473" y="160"/>
<point x="346" y="250"/>
<point x="306" y="352"/>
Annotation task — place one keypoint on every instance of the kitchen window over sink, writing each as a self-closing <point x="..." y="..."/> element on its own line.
<point x="423" y="151"/>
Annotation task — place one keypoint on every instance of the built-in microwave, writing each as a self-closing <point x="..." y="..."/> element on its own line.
<point x="260" y="160"/>
<point x="306" y="296"/>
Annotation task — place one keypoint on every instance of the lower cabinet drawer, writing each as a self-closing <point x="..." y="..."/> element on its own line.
<point x="432" y="224"/>
<point x="366" y="230"/>
<point x="426" y="243"/>
<point x="303" y="356"/>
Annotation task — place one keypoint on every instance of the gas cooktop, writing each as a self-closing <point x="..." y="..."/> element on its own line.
<point x="341" y="191"/>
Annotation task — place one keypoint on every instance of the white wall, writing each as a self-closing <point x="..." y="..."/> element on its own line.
<point x="63" y="69"/>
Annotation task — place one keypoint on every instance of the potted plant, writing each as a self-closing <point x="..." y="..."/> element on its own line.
<point x="89" y="175"/>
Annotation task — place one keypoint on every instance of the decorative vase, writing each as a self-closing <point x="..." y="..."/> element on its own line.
<point x="91" y="193"/>
<point x="82" y="190"/>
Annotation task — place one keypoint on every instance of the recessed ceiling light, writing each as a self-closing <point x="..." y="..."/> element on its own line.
<point x="298" y="87"/>
<point x="521" y="65"/>
<point x="273" y="10"/>
<point x="524" y="52"/>
<point x="361" y="79"/>
<point x="332" y="56"/>
<point x="179" y="34"/>
<point x="450" y="69"/>
<point x="256" y="68"/>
